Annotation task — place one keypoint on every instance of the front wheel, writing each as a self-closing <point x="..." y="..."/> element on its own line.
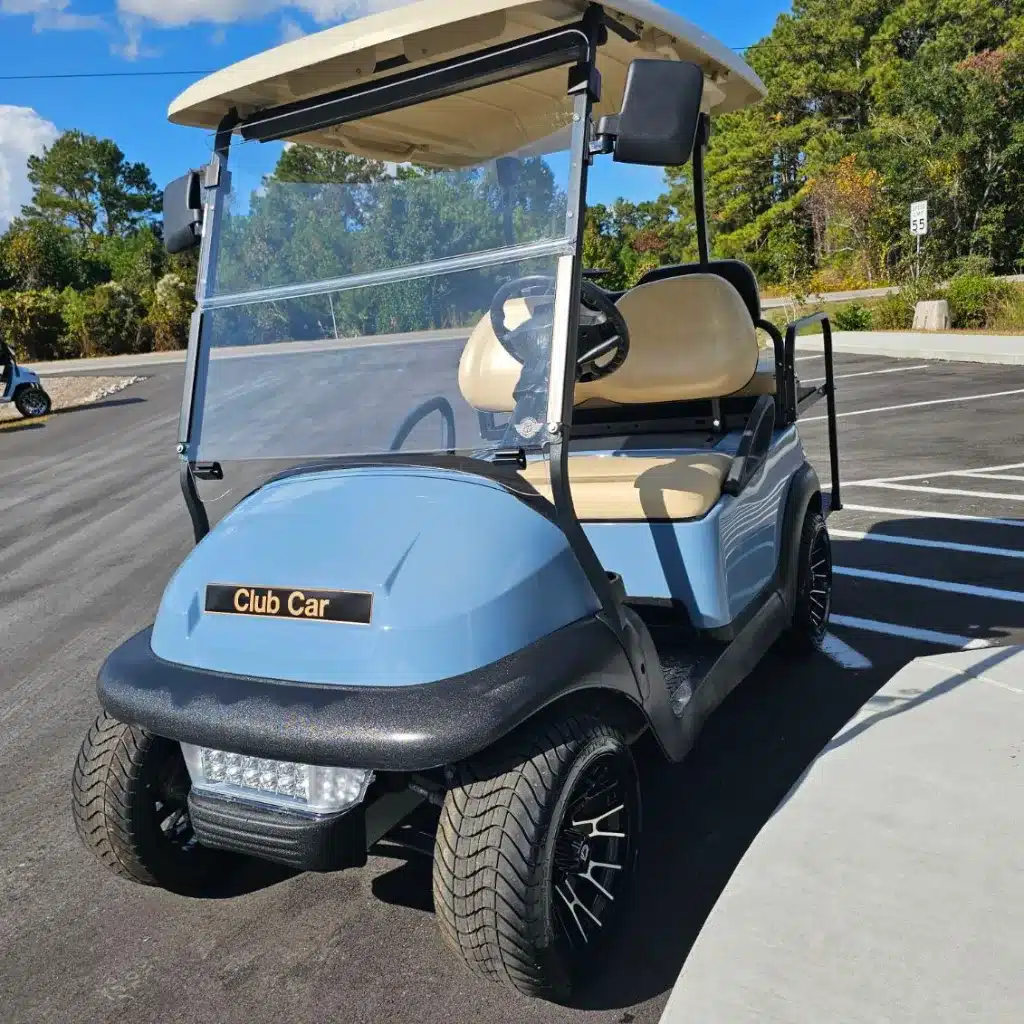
<point x="813" y="586"/>
<point x="535" y="854"/>
<point x="129" y="800"/>
<point x="32" y="401"/>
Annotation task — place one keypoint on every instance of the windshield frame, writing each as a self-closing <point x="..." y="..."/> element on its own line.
<point x="574" y="47"/>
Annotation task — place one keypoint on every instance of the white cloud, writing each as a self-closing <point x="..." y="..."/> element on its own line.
<point x="52" y="15"/>
<point x="291" y="30"/>
<point x="136" y="17"/>
<point x="22" y="133"/>
<point x="132" y="48"/>
<point x="169" y="13"/>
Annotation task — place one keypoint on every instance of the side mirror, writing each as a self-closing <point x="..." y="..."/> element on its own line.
<point x="660" y="114"/>
<point x="183" y="213"/>
<point x="508" y="168"/>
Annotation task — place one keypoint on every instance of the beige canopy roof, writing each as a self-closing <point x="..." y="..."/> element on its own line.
<point x="466" y="128"/>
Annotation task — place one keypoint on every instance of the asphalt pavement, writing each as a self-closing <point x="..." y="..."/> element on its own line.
<point x="928" y="551"/>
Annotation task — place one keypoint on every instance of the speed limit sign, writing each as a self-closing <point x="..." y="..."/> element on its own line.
<point x="919" y="218"/>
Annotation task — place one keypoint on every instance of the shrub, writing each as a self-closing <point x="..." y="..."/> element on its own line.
<point x="893" y="313"/>
<point x="854" y="317"/>
<point x="1008" y="312"/>
<point x="169" y="313"/>
<point x="32" y="323"/>
<point x="973" y="300"/>
<point x="106" y="321"/>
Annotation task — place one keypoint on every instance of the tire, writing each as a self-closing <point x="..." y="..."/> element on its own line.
<point x="129" y="800"/>
<point x="813" y="587"/>
<point x="32" y="401"/>
<point x="506" y="854"/>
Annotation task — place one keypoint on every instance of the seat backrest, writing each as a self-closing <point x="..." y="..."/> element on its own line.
<point x="690" y="337"/>
<point x="738" y="274"/>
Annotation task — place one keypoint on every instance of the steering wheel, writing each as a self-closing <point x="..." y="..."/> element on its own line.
<point x="421" y="412"/>
<point x="602" y="330"/>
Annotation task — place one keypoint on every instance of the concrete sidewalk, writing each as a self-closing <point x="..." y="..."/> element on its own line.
<point x="974" y="348"/>
<point x="888" y="884"/>
<point x="969" y="348"/>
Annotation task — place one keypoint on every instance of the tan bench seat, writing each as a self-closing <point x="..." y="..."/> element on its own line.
<point x="634" y="487"/>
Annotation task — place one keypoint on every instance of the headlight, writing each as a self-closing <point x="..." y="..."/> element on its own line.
<point x="311" y="788"/>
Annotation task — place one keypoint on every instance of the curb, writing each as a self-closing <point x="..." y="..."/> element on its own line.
<point x="1007" y="350"/>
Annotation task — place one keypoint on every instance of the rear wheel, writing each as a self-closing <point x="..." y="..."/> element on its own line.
<point x="32" y="401"/>
<point x="129" y="800"/>
<point x="814" y="586"/>
<point x="535" y="854"/>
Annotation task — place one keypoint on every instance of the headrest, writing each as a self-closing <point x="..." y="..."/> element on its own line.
<point x="738" y="274"/>
<point x="690" y="337"/>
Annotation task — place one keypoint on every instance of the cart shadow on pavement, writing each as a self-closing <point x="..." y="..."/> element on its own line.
<point x="699" y="817"/>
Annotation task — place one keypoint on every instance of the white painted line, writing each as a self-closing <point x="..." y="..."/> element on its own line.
<point x="928" y="636"/>
<point x="866" y="373"/>
<point x="916" y="405"/>
<point x="843" y="654"/>
<point x="920" y="542"/>
<point x="968" y="589"/>
<point x="928" y="476"/>
<point x="975" y="474"/>
<point x="918" y="513"/>
<point x="1000" y="495"/>
<point x="800" y="359"/>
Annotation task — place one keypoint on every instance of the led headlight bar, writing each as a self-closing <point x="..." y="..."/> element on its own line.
<point x="314" y="789"/>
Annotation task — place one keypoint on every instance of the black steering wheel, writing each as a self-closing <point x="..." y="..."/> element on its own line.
<point x="421" y="412"/>
<point x="602" y="333"/>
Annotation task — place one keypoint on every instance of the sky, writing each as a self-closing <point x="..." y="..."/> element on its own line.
<point x="184" y="39"/>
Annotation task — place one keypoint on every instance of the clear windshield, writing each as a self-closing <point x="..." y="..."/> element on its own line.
<point x="356" y="307"/>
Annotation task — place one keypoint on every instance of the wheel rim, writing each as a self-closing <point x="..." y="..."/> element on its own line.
<point x="819" y="583"/>
<point x="33" y="403"/>
<point x="594" y="847"/>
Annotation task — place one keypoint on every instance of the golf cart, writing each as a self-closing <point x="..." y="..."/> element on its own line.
<point x="468" y="524"/>
<point x="21" y="386"/>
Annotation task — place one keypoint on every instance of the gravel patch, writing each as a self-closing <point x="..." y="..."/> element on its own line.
<point x="73" y="392"/>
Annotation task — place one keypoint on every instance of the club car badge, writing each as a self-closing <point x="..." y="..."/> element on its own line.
<point x="350" y="606"/>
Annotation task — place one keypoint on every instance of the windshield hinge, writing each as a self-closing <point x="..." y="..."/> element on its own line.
<point x="515" y="455"/>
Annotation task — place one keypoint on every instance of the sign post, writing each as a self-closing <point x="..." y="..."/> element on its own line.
<point x="919" y="226"/>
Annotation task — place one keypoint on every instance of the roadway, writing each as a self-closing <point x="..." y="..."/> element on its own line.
<point x="929" y="555"/>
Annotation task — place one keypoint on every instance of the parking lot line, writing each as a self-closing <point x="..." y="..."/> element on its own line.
<point x="867" y="373"/>
<point x="918" y="488"/>
<point x="968" y="589"/>
<point x="929" y="636"/>
<point x="929" y="476"/>
<point x="917" y="513"/>
<point x="843" y="654"/>
<point x="976" y="474"/>
<point x="916" y="405"/>
<point x="920" y="542"/>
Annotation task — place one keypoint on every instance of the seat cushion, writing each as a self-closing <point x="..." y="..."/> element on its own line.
<point x="637" y="487"/>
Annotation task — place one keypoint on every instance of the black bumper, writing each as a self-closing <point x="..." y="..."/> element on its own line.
<point x="386" y="728"/>
<point x="303" y="843"/>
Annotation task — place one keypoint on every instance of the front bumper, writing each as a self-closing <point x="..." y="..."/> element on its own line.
<point x="304" y="843"/>
<point x="384" y="728"/>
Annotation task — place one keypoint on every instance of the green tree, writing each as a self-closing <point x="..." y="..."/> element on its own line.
<point x="88" y="185"/>
<point x="37" y="254"/>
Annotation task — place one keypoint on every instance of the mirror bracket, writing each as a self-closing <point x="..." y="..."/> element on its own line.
<point x="605" y="136"/>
